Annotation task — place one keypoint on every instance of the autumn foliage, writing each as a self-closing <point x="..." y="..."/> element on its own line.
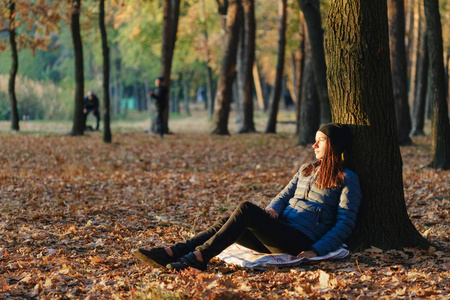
<point x="72" y="209"/>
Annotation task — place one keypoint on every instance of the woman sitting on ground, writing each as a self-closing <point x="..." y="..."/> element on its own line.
<point x="313" y="215"/>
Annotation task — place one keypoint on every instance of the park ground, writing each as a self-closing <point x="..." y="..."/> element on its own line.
<point x="73" y="208"/>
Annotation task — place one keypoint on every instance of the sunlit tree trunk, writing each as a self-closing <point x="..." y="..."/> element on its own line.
<point x="78" y="119"/>
<point x="228" y="69"/>
<point x="396" y="12"/>
<point x="107" y="138"/>
<point x="360" y="89"/>
<point x="422" y="86"/>
<point x="309" y="105"/>
<point x="14" y="68"/>
<point x="248" y="125"/>
<point x="413" y="44"/>
<point x="441" y="126"/>
<point x="311" y="11"/>
<point x="274" y="103"/>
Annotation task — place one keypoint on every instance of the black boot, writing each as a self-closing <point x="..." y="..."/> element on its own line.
<point x="156" y="257"/>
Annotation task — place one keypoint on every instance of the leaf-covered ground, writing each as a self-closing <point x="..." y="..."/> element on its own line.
<point x="73" y="208"/>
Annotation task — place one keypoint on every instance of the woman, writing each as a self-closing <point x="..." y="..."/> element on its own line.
<point x="313" y="215"/>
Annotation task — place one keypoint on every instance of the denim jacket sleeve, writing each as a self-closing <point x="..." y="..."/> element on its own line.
<point x="281" y="201"/>
<point x="349" y="202"/>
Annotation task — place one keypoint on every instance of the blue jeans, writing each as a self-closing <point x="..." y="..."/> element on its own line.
<point x="251" y="227"/>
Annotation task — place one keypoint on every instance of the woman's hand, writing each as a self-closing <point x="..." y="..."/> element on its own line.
<point x="272" y="213"/>
<point x="307" y="254"/>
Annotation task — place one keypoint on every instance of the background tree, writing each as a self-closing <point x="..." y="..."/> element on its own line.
<point x="360" y="87"/>
<point x="14" y="67"/>
<point x="78" y="118"/>
<point x="249" y="57"/>
<point x="228" y="69"/>
<point x="397" y="48"/>
<point x="441" y="126"/>
<point x="107" y="138"/>
<point x="311" y="11"/>
<point x="276" y="94"/>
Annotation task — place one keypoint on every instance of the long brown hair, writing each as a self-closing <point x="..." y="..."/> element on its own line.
<point x="331" y="172"/>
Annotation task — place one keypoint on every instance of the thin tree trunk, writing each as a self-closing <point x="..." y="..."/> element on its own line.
<point x="396" y="12"/>
<point x="107" y="136"/>
<point x="413" y="51"/>
<point x="78" y="119"/>
<point x="209" y="101"/>
<point x="274" y="104"/>
<point x="360" y="87"/>
<point x="248" y="125"/>
<point x="227" y="72"/>
<point x="258" y="87"/>
<point x="422" y="86"/>
<point x="14" y="68"/>
<point x="441" y="126"/>
<point x="309" y="105"/>
<point x="299" y="66"/>
<point x="313" y="18"/>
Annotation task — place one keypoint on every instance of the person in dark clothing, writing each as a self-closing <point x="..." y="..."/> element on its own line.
<point x="312" y="216"/>
<point x="91" y="104"/>
<point x="160" y="95"/>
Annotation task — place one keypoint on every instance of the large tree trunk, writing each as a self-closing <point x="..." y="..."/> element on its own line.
<point x="309" y="104"/>
<point x="248" y="126"/>
<point x="228" y="69"/>
<point x="441" y="126"/>
<point x="14" y="67"/>
<point x="422" y="87"/>
<point x="311" y="11"/>
<point x="360" y="89"/>
<point x="107" y="138"/>
<point x="398" y="67"/>
<point x="274" y="104"/>
<point x="78" y="119"/>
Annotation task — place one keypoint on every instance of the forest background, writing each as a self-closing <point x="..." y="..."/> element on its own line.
<point x="72" y="209"/>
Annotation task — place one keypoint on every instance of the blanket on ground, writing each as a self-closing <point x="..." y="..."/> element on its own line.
<point x="245" y="257"/>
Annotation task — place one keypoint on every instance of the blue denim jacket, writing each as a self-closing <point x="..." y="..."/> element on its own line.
<point x="327" y="216"/>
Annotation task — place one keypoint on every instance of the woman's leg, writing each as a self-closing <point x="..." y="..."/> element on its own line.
<point x="277" y="236"/>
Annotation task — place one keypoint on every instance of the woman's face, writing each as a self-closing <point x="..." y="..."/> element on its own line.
<point x="320" y="146"/>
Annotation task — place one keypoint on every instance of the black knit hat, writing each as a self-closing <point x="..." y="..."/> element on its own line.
<point x="339" y="134"/>
<point x="161" y="78"/>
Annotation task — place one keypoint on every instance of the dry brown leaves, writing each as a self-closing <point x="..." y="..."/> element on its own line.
<point x="72" y="209"/>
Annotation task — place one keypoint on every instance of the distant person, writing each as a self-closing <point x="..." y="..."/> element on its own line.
<point x="160" y="95"/>
<point x="91" y="104"/>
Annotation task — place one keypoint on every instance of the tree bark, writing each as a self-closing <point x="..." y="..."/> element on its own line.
<point x="274" y="104"/>
<point x="228" y="69"/>
<point x="413" y="42"/>
<point x="422" y="86"/>
<point x="78" y="119"/>
<point x="107" y="137"/>
<point x="248" y="125"/>
<point x="313" y="18"/>
<point x="14" y="68"/>
<point x="309" y="104"/>
<point x="360" y="89"/>
<point x="441" y="126"/>
<point x="396" y="12"/>
<point x="299" y="62"/>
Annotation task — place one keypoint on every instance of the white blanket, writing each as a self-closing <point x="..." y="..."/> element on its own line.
<point x="245" y="257"/>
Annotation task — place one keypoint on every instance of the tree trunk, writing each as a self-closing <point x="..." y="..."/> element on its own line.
<point x="309" y="104"/>
<point x="258" y="87"/>
<point x="107" y="137"/>
<point x="299" y="66"/>
<point x="248" y="126"/>
<point x="78" y="119"/>
<point x="441" y="126"/>
<point x="228" y="69"/>
<point x="170" y="27"/>
<point x="209" y="101"/>
<point x="360" y="89"/>
<point x="274" y="104"/>
<point x="413" y="41"/>
<point x="14" y="68"/>
<point x="396" y="12"/>
<point x="311" y="11"/>
<point x="422" y="86"/>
